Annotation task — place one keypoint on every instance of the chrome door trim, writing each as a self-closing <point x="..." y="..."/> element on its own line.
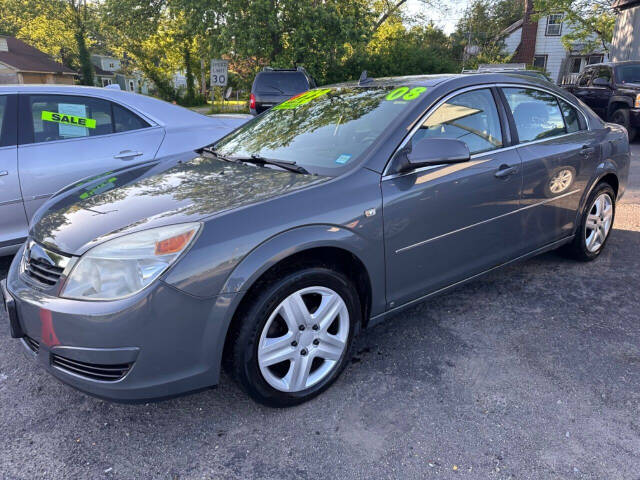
<point x="424" y="242"/>
<point x="430" y="110"/>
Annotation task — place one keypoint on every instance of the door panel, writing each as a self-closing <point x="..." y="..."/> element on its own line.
<point x="555" y="173"/>
<point x="13" y="221"/>
<point x="450" y="223"/>
<point x="53" y="154"/>
<point x="554" y="163"/>
<point x="446" y="223"/>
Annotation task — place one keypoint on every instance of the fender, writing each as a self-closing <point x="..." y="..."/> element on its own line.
<point x="618" y="99"/>
<point x="299" y="239"/>
<point x="604" y="168"/>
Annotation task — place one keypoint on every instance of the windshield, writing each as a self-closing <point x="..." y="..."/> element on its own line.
<point x="281" y="82"/>
<point x="628" y="74"/>
<point x="325" y="130"/>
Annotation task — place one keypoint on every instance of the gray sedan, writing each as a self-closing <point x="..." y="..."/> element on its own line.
<point x="53" y="135"/>
<point x="338" y="208"/>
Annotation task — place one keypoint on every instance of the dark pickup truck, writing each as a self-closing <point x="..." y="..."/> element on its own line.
<point x="612" y="90"/>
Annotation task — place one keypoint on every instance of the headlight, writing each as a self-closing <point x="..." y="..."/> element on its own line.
<point x="637" y="102"/>
<point x="123" y="266"/>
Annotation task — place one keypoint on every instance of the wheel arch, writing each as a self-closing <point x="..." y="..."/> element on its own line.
<point x="331" y="245"/>
<point x="606" y="172"/>
<point x="617" y="102"/>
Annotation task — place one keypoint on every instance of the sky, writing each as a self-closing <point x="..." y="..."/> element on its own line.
<point x="445" y="14"/>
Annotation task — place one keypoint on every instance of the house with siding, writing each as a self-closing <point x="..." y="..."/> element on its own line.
<point x="539" y="43"/>
<point x="22" y="63"/>
<point x="625" y="44"/>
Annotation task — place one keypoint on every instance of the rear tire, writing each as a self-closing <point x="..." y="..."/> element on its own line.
<point x="295" y="336"/>
<point x="596" y="223"/>
<point x="622" y="117"/>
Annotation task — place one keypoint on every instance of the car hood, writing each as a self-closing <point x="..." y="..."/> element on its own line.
<point x="152" y="195"/>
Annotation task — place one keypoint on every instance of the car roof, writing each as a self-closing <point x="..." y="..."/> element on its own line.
<point x="158" y="111"/>
<point x="459" y="79"/>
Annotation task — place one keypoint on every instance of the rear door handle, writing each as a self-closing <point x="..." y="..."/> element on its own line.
<point x="3" y="173"/>
<point x="587" y="150"/>
<point x="127" y="154"/>
<point x="505" y="171"/>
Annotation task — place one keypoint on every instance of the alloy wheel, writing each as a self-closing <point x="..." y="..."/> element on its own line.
<point x="598" y="222"/>
<point x="304" y="339"/>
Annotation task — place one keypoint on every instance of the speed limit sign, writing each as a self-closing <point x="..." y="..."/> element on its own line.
<point x="219" y="73"/>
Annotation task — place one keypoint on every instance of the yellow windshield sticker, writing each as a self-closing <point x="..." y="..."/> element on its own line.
<point x="405" y="93"/>
<point x="68" y="119"/>
<point x="302" y="99"/>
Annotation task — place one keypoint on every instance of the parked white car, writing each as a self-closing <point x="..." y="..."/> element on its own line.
<point x="53" y="135"/>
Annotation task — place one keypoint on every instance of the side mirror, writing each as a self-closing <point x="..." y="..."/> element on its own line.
<point x="601" y="82"/>
<point x="431" y="151"/>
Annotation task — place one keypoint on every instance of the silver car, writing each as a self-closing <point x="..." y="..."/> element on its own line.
<point x="54" y="135"/>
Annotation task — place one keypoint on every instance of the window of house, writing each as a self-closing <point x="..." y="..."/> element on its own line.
<point x="536" y="114"/>
<point x="576" y="65"/>
<point x="554" y="25"/>
<point x="595" y="59"/>
<point x="471" y="117"/>
<point x="540" y="61"/>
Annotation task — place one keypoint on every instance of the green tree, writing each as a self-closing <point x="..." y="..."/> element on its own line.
<point x="591" y="21"/>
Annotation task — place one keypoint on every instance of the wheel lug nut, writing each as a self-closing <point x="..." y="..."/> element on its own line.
<point x="301" y="327"/>
<point x="303" y="352"/>
<point x="294" y="344"/>
<point x="315" y="327"/>
<point x="316" y="342"/>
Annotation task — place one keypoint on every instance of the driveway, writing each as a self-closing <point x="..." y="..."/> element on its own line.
<point x="531" y="372"/>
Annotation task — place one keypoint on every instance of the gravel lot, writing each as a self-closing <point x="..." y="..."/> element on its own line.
<point x="531" y="373"/>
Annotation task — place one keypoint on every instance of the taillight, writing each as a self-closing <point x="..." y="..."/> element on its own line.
<point x="252" y="101"/>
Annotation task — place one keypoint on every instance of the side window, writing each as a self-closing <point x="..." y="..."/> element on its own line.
<point x="536" y="113"/>
<point x="8" y="125"/>
<point x="583" y="81"/>
<point x="570" y="115"/>
<point x="471" y="117"/>
<point x="124" y="120"/>
<point x="60" y="117"/>
<point x="604" y="73"/>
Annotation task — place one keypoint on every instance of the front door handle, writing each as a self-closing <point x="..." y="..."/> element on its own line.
<point x="3" y="173"/>
<point x="505" y="171"/>
<point x="127" y="154"/>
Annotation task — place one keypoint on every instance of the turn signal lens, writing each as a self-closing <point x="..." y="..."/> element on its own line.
<point x="173" y="244"/>
<point x="637" y="103"/>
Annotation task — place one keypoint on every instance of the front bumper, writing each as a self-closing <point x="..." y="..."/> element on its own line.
<point x="157" y="344"/>
<point x="634" y="117"/>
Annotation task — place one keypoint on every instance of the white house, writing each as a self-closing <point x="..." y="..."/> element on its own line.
<point x="539" y="43"/>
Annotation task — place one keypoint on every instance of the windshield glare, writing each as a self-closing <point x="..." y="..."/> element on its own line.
<point x="628" y="74"/>
<point x="324" y="130"/>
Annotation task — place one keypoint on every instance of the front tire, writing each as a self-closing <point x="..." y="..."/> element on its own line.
<point x="595" y="225"/>
<point x="295" y="337"/>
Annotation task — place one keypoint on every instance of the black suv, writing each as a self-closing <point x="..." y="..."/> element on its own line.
<point x="612" y="90"/>
<point x="272" y="86"/>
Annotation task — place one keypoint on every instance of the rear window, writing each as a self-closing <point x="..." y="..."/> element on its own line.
<point x="280" y="82"/>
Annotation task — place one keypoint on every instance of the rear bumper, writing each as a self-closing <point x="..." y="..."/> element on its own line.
<point x="159" y="344"/>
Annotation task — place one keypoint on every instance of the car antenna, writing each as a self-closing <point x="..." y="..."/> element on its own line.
<point x="364" y="78"/>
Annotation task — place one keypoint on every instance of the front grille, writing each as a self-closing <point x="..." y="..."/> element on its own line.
<point x="105" y="373"/>
<point x="43" y="266"/>
<point x="43" y="272"/>
<point x="33" y="345"/>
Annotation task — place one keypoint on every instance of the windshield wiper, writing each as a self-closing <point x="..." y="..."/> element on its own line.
<point x="285" y="164"/>
<point x="216" y="154"/>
